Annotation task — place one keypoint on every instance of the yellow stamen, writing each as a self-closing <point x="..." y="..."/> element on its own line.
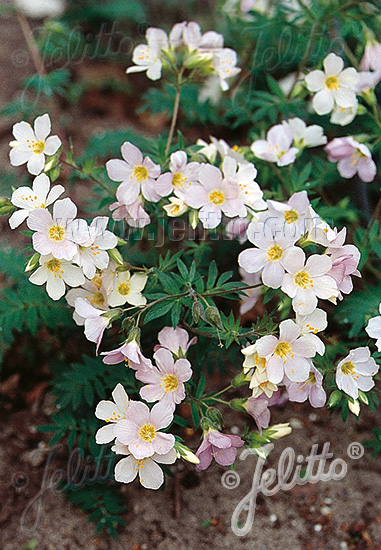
<point x="170" y="383"/>
<point x="302" y="279"/>
<point x="217" y="197"/>
<point x="147" y="432"/>
<point x="56" y="233"/>
<point x="124" y="288"/>
<point x="140" y="173"/>
<point x="274" y="253"/>
<point x="283" y="349"/>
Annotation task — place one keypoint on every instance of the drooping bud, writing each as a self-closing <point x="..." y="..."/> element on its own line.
<point x="197" y="312"/>
<point x="238" y="404"/>
<point x="134" y="335"/>
<point x="240" y="380"/>
<point x="354" y="407"/>
<point x="116" y="256"/>
<point x="205" y="424"/>
<point x="334" y="399"/>
<point x="33" y="262"/>
<point x="185" y="453"/>
<point x="127" y="325"/>
<point x="213" y="316"/>
<point x="215" y="417"/>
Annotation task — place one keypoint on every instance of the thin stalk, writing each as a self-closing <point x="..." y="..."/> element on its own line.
<point x="90" y="176"/>
<point x="174" y="113"/>
<point x="304" y="61"/>
<point x="31" y="43"/>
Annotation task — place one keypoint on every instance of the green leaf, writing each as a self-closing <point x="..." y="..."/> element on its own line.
<point x="158" y="310"/>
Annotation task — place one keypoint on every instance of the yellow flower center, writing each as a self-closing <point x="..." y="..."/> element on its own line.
<point x="348" y="368"/>
<point x="302" y="279"/>
<point x="217" y="197"/>
<point x="311" y="379"/>
<point x="98" y="299"/>
<point x="170" y="383"/>
<point x="53" y="265"/>
<point x="332" y="83"/>
<point x="140" y="173"/>
<point x="124" y="288"/>
<point x="291" y="216"/>
<point x="283" y="349"/>
<point x="38" y="147"/>
<point x="237" y="148"/>
<point x="274" y="253"/>
<point x="56" y="233"/>
<point x="147" y="432"/>
<point x="178" y="180"/>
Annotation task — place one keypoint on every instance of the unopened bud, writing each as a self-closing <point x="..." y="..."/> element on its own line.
<point x="116" y="256"/>
<point x="205" y="424"/>
<point x="215" y="417"/>
<point x="185" y="453"/>
<point x="363" y="397"/>
<point x="354" y="407"/>
<point x="121" y="242"/>
<point x="213" y="316"/>
<point x="334" y="399"/>
<point x="112" y="314"/>
<point x="127" y="325"/>
<point x="279" y="430"/>
<point x="198" y="312"/>
<point x="240" y="380"/>
<point x="134" y="335"/>
<point x="193" y="218"/>
<point x="32" y="263"/>
<point x="6" y="207"/>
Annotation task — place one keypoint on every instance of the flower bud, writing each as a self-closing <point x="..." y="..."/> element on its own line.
<point x="6" y="207"/>
<point x="363" y="397"/>
<point x="198" y="312"/>
<point x="134" y="335"/>
<point x="185" y="453"/>
<point x="213" y="316"/>
<point x="334" y="399"/>
<point x="176" y="208"/>
<point x="280" y="430"/>
<point x="205" y="424"/>
<point x="354" y="407"/>
<point x="32" y="263"/>
<point x="121" y="242"/>
<point x="116" y="256"/>
<point x="112" y="314"/>
<point x="193" y="218"/>
<point x="127" y="325"/>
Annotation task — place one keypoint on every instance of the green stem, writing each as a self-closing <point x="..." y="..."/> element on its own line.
<point x="221" y="292"/>
<point x="90" y="176"/>
<point x="174" y="113"/>
<point x="306" y="56"/>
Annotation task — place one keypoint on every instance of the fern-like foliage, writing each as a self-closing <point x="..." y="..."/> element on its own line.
<point x="103" y="503"/>
<point x="23" y="306"/>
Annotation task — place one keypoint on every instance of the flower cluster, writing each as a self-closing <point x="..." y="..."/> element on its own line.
<point x="204" y="52"/>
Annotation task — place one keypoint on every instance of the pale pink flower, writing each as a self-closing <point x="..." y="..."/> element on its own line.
<point x="373" y="329"/>
<point x="165" y="381"/>
<point x="56" y="273"/>
<point x="129" y="352"/>
<point x="268" y="257"/>
<point x="310" y="325"/>
<point x="136" y="173"/>
<point x="95" y="320"/>
<point x="97" y="296"/>
<point x="175" y="340"/>
<point x="214" y="196"/>
<point x="311" y="389"/>
<point x="293" y="214"/>
<point x="134" y="213"/>
<point x="372" y="57"/>
<point x="29" y="199"/>
<point x="368" y="81"/>
<point x="305" y="282"/>
<point x="251" y="294"/>
<point x="333" y="86"/>
<point x="244" y="175"/>
<point x="277" y="147"/>
<point x="111" y="412"/>
<point x="352" y="157"/>
<point x="32" y="145"/>
<point x="92" y="254"/>
<point x="345" y="259"/>
<point x="221" y="447"/>
<point x="287" y="355"/>
<point x="306" y="136"/>
<point x="258" y="409"/>
<point x="355" y="372"/>
<point x="150" y="474"/>
<point x="182" y="174"/>
<point x="58" y="235"/>
<point x="140" y="430"/>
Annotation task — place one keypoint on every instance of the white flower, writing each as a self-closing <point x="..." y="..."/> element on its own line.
<point x="306" y="136"/>
<point x="244" y="175"/>
<point x="310" y="325"/>
<point x="38" y="9"/>
<point x="305" y="282"/>
<point x="96" y="295"/>
<point x="111" y="412"/>
<point x="287" y="355"/>
<point x="210" y="150"/>
<point x="373" y="329"/>
<point x="95" y="320"/>
<point x="255" y="367"/>
<point x="92" y="254"/>
<point x="29" y="199"/>
<point x="268" y="257"/>
<point x="176" y="208"/>
<point x="355" y="372"/>
<point x="128" y="289"/>
<point x="58" y="235"/>
<point x="31" y="146"/>
<point x="147" y="56"/>
<point x="182" y="174"/>
<point x="55" y="273"/>
<point x="343" y="115"/>
<point x="205" y="43"/>
<point x="150" y="474"/>
<point x="277" y="146"/>
<point x="293" y="214"/>
<point x="333" y="86"/>
<point x="224" y="65"/>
